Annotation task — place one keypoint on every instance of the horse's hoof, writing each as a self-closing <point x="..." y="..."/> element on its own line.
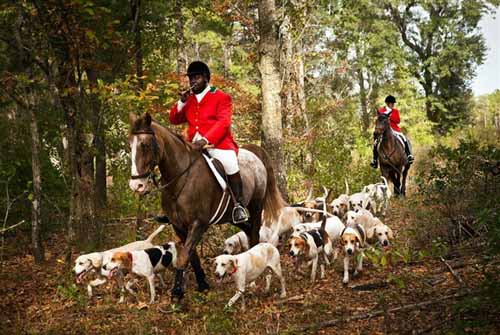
<point x="203" y="286"/>
<point x="178" y="292"/>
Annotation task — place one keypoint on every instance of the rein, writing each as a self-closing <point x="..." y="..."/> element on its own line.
<point x="151" y="175"/>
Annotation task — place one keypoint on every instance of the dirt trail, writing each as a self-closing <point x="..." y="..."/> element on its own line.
<point x="44" y="299"/>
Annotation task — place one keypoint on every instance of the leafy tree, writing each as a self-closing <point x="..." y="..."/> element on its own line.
<point x="444" y="47"/>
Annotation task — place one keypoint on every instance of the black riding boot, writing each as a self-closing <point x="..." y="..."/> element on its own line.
<point x="408" y="152"/>
<point x="240" y="213"/>
<point x="374" y="163"/>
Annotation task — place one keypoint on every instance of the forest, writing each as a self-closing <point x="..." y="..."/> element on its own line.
<point x="306" y="79"/>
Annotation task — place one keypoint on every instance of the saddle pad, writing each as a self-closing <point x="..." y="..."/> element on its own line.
<point x="220" y="179"/>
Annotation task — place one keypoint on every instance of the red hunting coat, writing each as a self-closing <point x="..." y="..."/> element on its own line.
<point x="211" y="118"/>
<point x="394" y="119"/>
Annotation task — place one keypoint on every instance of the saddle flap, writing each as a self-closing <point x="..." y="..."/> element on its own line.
<point x="217" y="170"/>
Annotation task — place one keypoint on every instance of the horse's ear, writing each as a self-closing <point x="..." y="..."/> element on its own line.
<point x="132" y="117"/>
<point x="147" y="119"/>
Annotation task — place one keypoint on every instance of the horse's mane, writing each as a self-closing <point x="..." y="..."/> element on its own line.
<point x="140" y="126"/>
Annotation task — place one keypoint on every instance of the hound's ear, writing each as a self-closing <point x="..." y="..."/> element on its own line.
<point x="390" y="233"/>
<point x="132" y="118"/>
<point x="147" y="119"/>
<point x="234" y="262"/>
<point x="371" y="232"/>
<point x="96" y="261"/>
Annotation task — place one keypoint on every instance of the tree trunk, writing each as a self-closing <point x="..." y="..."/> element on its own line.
<point x="36" y="218"/>
<point x="99" y="142"/>
<point x="36" y="223"/>
<point x="136" y="8"/>
<point x="363" y="101"/>
<point x="227" y="57"/>
<point x="179" y="33"/>
<point x="272" y="132"/>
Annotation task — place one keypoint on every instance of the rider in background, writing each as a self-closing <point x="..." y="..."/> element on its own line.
<point x="394" y="120"/>
<point x="208" y="111"/>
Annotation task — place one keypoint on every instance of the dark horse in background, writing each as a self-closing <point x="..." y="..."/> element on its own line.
<point x="190" y="193"/>
<point x="392" y="157"/>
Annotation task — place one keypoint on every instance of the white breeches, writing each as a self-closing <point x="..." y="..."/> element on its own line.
<point x="228" y="158"/>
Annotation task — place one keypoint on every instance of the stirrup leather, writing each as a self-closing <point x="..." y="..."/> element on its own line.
<point x="244" y="218"/>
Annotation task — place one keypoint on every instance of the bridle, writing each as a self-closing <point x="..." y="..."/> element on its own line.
<point x="150" y="174"/>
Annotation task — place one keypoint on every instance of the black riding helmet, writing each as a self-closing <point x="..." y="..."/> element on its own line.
<point x="390" y="99"/>
<point x="198" y="67"/>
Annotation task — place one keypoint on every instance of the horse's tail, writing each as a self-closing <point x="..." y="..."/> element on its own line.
<point x="273" y="201"/>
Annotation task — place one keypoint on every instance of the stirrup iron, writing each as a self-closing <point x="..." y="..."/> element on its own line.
<point x="245" y="217"/>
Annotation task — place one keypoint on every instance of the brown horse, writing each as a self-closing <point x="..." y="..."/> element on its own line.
<point x="392" y="157"/>
<point x="190" y="193"/>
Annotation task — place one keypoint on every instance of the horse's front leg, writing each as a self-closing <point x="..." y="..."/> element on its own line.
<point x="403" y="184"/>
<point x="198" y="271"/>
<point x="395" y="177"/>
<point x="184" y="255"/>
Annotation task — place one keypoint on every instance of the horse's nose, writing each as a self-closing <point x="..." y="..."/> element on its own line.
<point x="137" y="185"/>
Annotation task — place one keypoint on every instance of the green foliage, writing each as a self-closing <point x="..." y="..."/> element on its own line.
<point x="71" y="292"/>
<point x="220" y="322"/>
<point x="479" y="312"/>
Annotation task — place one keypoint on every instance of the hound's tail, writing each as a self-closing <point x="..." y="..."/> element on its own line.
<point x="385" y="181"/>
<point x="346" y="187"/>
<point x="156" y="232"/>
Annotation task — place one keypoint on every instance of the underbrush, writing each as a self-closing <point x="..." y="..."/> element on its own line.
<point x="461" y="186"/>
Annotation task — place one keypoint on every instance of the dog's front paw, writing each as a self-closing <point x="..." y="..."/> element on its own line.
<point x="283" y="295"/>
<point x="345" y="281"/>
<point x="356" y="273"/>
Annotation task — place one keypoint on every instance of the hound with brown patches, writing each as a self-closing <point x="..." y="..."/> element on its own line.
<point x="340" y="205"/>
<point x="246" y="267"/>
<point x="309" y="245"/>
<point x="318" y="203"/>
<point x="353" y="240"/>
<point x="145" y="263"/>
<point x="376" y="231"/>
<point x="93" y="262"/>
<point x="358" y="201"/>
<point x="288" y="218"/>
<point x="238" y="242"/>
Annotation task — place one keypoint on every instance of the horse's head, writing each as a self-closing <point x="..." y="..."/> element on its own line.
<point x="382" y="124"/>
<point x="145" y="153"/>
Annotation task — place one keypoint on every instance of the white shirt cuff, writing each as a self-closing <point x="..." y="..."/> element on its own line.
<point x="180" y="105"/>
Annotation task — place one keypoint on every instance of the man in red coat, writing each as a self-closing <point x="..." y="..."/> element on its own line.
<point x="394" y="120"/>
<point x="208" y="113"/>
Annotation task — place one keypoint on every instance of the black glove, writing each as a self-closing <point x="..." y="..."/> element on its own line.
<point x="199" y="145"/>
